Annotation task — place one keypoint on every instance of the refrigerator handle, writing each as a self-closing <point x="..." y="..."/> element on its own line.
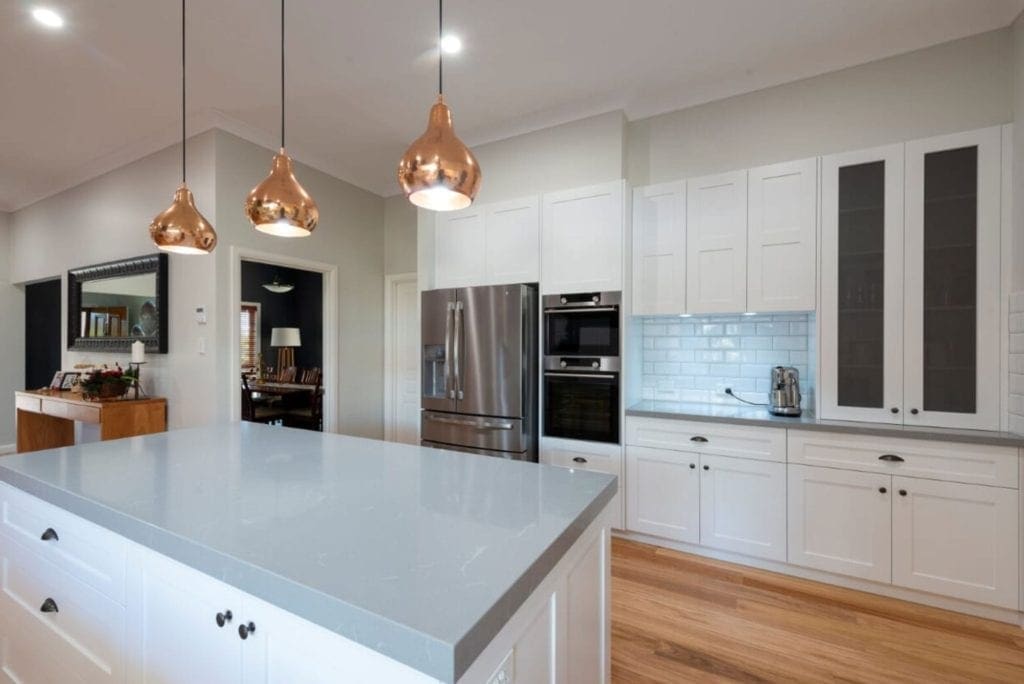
<point x="448" y="350"/>
<point x="459" y="333"/>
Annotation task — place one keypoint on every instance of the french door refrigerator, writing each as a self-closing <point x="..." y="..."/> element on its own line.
<point x="479" y="376"/>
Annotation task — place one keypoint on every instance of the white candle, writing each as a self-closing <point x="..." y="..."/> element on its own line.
<point x="138" y="351"/>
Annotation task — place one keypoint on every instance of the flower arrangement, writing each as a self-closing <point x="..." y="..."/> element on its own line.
<point x="107" y="383"/>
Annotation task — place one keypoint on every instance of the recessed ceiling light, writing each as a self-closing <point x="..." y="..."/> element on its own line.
<point x="451" y="44"/>
<point x="47" y="17"/>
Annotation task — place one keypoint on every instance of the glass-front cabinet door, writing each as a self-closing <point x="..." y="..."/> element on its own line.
<point x="862" y="285"/>
<point x="952" y="283"/>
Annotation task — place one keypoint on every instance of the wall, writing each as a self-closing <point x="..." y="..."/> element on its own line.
<point x="399" y="235"/>
<point x="1018" y="153"/>
<point x="302" y="308"/>
<point x="950" y="87"/>
<point x="12" y="341"/>
<point x="696" y="358"/>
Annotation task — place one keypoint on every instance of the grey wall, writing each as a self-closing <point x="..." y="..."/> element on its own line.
<point x="399" y="235"/>
<point x="12" y="341"/>
<point x="1017" y="92"/>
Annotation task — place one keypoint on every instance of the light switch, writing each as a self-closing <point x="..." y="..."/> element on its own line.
<point x="201" y="345"/>
<point x="505" y="674"/>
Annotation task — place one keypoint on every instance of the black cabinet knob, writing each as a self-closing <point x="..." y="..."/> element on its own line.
<point x="914" y="411"/>
<point x="903" y="492"/>
<point x="699" y="439"/>
<point x="578" y="459"/>
<point x="894" y="409"/>
<point x="707" y="467"/>
<point x="882" y="490"/>
<point x="692" y="466"/>
<point x="245" y="630"/>
<point x="49" y="606"/>
<point x="49" y="534"/>
<point x="224" y="618"/>
<point x="891" y="458"/>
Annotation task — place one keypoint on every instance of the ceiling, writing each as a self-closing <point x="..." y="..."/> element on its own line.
<point x="103" y="90"/>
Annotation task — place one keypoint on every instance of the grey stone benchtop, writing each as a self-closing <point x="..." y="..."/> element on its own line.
<point x="417" y="553"/>
<point x="757" y="415"/>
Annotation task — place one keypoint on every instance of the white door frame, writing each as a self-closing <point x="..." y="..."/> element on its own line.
<point x="330" y="325"/>
<point x="391" y="377"/>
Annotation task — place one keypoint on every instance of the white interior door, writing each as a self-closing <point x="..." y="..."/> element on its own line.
<point x="743" y="506"/>
<point x="664" y="493"/>
<point x="402" y="371"/>
<point x="716" y="243"/>
<point x="659" y="249"/>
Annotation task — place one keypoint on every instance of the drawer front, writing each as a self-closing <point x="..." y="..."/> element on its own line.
<point x="27" y="403"/>
<point x="89" y="553"/>
<point x="586" y="456"/>
<point x="948" y="461"/>
<point x="720" y="439"/>
<point x="85" y="414"/>
<point x="81" y="632"/>
<point x="58" y="409"/>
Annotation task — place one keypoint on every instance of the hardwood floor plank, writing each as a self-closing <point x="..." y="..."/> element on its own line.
<point x="682" y="618"/>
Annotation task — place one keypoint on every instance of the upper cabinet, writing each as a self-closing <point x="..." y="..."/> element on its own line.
<point x="490" y="244"/>
<point x="781" y="228"/>
<point x="659" y="249"/>
<point x="910" y="283"/>
<point x="582" y="243"/>
<point x="716" y="243"/>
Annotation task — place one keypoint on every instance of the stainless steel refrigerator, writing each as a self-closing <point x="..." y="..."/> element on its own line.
<point x="479" y="376"/>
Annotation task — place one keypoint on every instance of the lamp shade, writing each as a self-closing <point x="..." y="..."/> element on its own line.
<point x="285" y="337"/>
<point x="438" y="171"/>
<point x="279" y="205"/>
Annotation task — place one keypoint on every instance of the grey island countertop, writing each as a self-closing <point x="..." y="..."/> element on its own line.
<point x="758" y="415"/>
<point x="418" y="553"/>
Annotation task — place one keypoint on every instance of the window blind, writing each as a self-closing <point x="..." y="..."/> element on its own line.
<point x="250" y="337"/>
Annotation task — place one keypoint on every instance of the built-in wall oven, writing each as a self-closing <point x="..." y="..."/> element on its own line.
<point x="581" y="366"/>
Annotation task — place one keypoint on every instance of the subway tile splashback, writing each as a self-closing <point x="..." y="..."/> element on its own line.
<point x="696" y="358"/>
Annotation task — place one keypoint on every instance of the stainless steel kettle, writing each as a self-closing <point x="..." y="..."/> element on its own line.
<point x="784" y="396"/>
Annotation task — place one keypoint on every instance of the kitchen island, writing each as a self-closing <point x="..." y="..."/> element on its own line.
<point x="244" y="552"/>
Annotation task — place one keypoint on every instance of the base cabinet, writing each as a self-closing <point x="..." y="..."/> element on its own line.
<point x="743" y="506"/>
<point x="663" y="496"/>
<point x="594" y="456"/>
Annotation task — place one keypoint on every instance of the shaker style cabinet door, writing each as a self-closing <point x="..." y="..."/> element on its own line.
<point x="659" y="249"/>
<point x="951" y="307"/>
<point x="955" y="539"/>
<point x="459" y="248"/>
<point x="512" y="241"/>
<point x="862" y="285"/>
<point x="782" y="223"/>
<point x="840" y="521"/>
<point x="582" y="233"/>
<point x="716" y="243"/>
<point x="664" y="493"/>
<point x="743" y="506"/>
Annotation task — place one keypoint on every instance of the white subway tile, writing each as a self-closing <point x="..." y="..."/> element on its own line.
<point x="724" y="342"/>
<point x="773" y="328"/>
<point x="693" y="368"/>
<point x="797" y="342"/>
<point x="755" y="343"/>
<point x="709" y="329"/>
<point x="666" y="343"/>
<point x="666" y="368"/>
<point x="693" y="342"/>
<point x="776" y="358"/>
<point x="680" y="355"/>
<point x="711" y="356"/>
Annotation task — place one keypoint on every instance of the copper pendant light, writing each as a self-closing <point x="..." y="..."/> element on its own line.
<point x="438" y="171"/>
<point x="181" y="228"/>
<point x="279" y="205"/>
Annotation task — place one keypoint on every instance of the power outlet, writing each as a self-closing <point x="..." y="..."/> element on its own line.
<point x="505" y="674"/>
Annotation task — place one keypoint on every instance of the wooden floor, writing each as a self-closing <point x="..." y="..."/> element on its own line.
<point x="682" y="618"/>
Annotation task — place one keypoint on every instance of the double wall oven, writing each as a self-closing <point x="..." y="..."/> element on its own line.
<point x="582" y="366"/>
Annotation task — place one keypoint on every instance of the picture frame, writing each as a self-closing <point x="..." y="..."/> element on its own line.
<point x="69" y="379"/>
<point x="58" y="377"/>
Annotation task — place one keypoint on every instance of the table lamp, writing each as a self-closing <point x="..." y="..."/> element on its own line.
<point x="285" y="339"/>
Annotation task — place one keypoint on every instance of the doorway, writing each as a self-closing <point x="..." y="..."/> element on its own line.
<point x="401" y="359"/>
<point x="42" y="332"/>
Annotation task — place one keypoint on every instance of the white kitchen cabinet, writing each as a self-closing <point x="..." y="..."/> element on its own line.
<point x="862" y="285"/>
<point x="459" y="245"/>
<point x="659" y="249"/>
<point x="840" y="521"/>
<point x="743" y="506"/>
<point x="716" y="243"/>
<point x="663" y="496"/>
<point x="781" y="230"/>
<point x="951" y="282"/>
<point x="512" y="241"/>
<point x="956" y="539"/>
<point x="593" y="456"/>
<point x="582" y="239"/>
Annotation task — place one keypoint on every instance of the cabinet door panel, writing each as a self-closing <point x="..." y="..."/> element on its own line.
<point x="743" y="506"/>
<point x="862" y="285"/>
<point x="716" y="243"/>
<point x="659" y="249"/>
<point x="952" y="328"/>
<point x="664" y="493"/>
<point x="512" y="231"/>
<point x="956" y="539"/>
<point x="839" y="521"/>
<point x="459" y="248"/>
<point x="582" y="233"/>
<point x="783" y="200"/>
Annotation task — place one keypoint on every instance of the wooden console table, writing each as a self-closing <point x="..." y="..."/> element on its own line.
<point x="46" y="418"/>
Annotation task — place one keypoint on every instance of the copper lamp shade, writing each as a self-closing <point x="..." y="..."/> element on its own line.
<point x="438" y="171"/>
<point x="279" y="205"/>
<point x="181" y="228"/>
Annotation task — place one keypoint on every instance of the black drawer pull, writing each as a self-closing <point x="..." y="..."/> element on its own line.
<point x="891" y="458"/>
<point x="894" y="409"/>
<point x="903" y="492"/>
<point x="707" y="467"/>
<point x="224" y="618"/>
<point x="578" y="459"/>
<point x="914" y="411"/>
<point x="692" y="466"/>
<point x="882" y="490"/>
<point x="699" y="439"/>
<point x="245" y="630"/>
<point x="49" y="534"/>
<point x="49" y="606"/>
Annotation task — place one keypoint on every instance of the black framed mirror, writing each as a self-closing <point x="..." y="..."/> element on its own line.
<point x="113" y="304"/>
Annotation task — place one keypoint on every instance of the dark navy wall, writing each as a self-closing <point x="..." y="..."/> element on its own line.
<point x="301" y="308"/>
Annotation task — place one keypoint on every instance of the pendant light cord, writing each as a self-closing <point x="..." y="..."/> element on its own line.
<point x="440" y="52"/>
<point x="282" y="74"/>
<point x="183" y="92"/>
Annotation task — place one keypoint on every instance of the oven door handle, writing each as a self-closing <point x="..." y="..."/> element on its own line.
<point x="599" y="376"/>
<point x="580" y="309"/>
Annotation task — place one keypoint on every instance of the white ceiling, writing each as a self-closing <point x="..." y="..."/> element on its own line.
<point x="104" y="90"/>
